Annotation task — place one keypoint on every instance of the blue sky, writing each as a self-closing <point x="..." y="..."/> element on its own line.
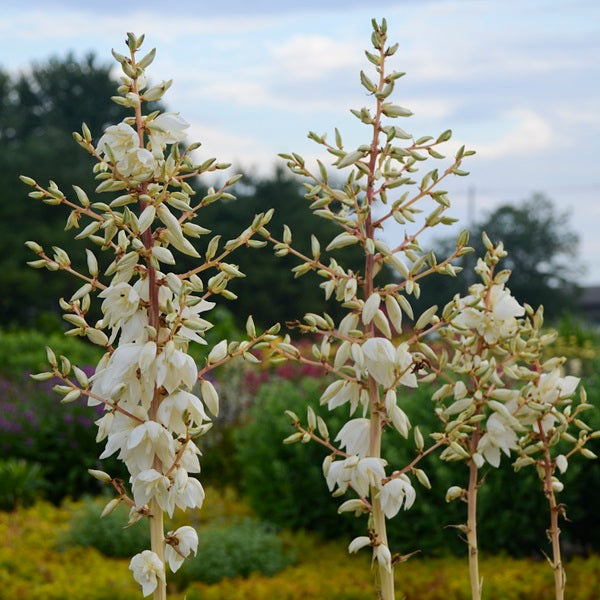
<point x="518" y="82"/>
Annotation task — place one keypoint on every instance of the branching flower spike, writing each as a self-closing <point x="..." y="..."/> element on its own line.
<point x="146" y="380"/>
<point x="371" y="354"/>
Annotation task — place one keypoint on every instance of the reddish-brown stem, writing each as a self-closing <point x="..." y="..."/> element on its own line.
<point x="410" y="466"/>
<point x="112" y="405"/>
<point x="554" y="531"/>
<point x="386" y="578"/>
<point x="322" y="441"/>
<point x="156" y="513"/>
<point x="474" y="579"/>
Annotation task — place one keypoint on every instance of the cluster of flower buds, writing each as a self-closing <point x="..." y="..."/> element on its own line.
<point x="372" y="353"/>
<point x="157" y="401"/>
<point x="500" y="396"/>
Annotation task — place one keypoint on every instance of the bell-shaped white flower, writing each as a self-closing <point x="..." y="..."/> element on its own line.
<point x="151" y="484"/>
<point x="181" y="543"/>
<point x="146" y="441"/>
<point x="494" y="320"/>
<point x="367" y="472"/>
<point x="147" y="569"/>
<point x="395" y="494"/>
<point x="120" y="138"/>
<point x="138" y="164"/>
<point x="551" y="386"/>
<point x="120" y="302"/>
<point x="354" y="436"/>
<point x="338" y="474"/>
<point x="380" y="359"/>
<point x="188" y="459"/>
<point x="166" y="128"/>
<point x="191" y="324"/>
<point x="189" y="494"/>
<point x="498" y="436"/>
<point x="174" y="368"/>
<point x="117" y="427"/>
<point x="173" y="408"/>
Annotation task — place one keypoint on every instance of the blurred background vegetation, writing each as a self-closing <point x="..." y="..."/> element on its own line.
<point x="46" y="448"/>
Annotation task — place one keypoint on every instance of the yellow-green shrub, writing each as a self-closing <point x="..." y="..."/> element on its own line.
<point x="33" y="568"/>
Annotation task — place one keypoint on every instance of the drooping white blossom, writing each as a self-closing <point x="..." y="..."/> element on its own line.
<point x="148" y="570"/>
<point x="380" y="360"/>
<point x="354" y="436"/>
<point x="396" y="494"/>
<point x="182" y="542"/>
<point x="147" y="441"/>
<point x="121" y="301"/>
<point x="120" y="139"/>
<point x="166" y="128"/>
<point x="499" y="436"/>
<point x="150" y="484"/>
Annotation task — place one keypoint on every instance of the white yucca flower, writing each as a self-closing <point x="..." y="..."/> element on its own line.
<point x="147" y="569"/>
<point x="181" y="543"/>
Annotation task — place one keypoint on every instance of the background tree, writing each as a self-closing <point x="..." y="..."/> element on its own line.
<point x="38" y="110"/>
<point x="269" y="291"/>
<point x="542" y="254"/>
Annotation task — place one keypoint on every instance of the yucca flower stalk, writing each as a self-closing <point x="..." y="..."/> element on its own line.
<point x="492" y="379"/>
<point x="555" y="432"/>
<point x="146" y="380"/>
<point x="378" y="349"/>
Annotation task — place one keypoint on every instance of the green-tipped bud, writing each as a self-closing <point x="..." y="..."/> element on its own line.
<point x="27" y="180"/>
<point x="100" y="475"/>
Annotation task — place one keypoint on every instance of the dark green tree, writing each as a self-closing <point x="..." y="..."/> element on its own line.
<point x="542" y="255"/>
<point x="38" y="111"/>
<point x="269" y="291"/>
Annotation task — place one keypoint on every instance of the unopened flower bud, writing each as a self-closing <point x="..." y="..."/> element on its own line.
<point x="453" y="493"/>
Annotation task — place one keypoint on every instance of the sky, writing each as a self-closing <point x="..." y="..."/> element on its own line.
<point x="519" y="82"/>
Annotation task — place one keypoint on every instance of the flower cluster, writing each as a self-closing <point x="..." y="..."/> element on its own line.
<point x="146" y="380"/>
<point x="500" y="398"/>
<point x="370" y="353"/>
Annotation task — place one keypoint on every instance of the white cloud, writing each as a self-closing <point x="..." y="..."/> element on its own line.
<point x="312" y="57"/>
<point x="72" y="22"/>
<point x="227" y="146"/>
<point x="527" y="133"/>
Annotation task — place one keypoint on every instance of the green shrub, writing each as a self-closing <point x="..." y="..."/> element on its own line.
<point x="21" y="483"/>
<point x="234" y="550"/>
<point x="110" y="535"/>
<point x="34" y="426"/>
<point x="23" y="351"/>
<point x="285" y="484"/>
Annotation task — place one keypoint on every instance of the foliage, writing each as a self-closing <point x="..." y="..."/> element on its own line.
<point x="284" y="483"/>
<point x="110" y="535"/>
<point x="22" y="351"/>
<point x="21" y="483"/>
<point x="32" y="567"/>
<point x="234" y="550"/>
<point x="329" y="577"/>
<point x="269" y="291"/>
<point x="34" y="426"/>
<point x="542" y="250"/>
<point x="579" y="342"/>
